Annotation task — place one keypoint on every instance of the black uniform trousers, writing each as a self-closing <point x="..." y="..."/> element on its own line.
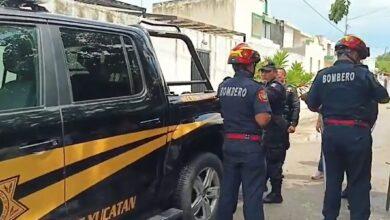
<point x="286" y="144"/>
<point x="275" y="145"/>
<point x="347" y="149"/>
<point x="243" y="162"/>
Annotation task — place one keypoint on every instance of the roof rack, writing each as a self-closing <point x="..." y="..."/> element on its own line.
<point x="160" y="25"/>
<point x="191" y="48"/>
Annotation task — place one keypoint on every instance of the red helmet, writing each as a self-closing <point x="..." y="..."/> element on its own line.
<point x="243" y="54"/>
<point x="353" y="43"/>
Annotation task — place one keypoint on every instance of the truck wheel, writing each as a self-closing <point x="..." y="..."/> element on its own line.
<point x="198" y="187"/>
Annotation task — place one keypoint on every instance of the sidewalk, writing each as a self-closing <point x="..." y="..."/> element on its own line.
<point x="303" y="197"/>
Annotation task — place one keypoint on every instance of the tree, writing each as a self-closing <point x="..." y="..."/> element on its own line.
<point x="383" y="63"/>
<point x="296" y="75"/>
<point x="338" y="10"/>
<point x="280" y="59"/>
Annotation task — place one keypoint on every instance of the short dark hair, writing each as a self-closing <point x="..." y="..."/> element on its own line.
<point x="237" y="67"/>
<point x="284" y="70"/>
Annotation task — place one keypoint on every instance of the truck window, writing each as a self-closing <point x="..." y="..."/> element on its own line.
<point x="19" y="67"/>
<point x="97" y="65"/>
<point x="135" y="71"/>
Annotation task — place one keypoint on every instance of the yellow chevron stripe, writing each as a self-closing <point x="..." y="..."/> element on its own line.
<point x="78" y="183"/>
<point x="184" y="129"/>
<point x="34" y="165"/>
<point x="42" y="202"/>
<point x="78" y="152"/>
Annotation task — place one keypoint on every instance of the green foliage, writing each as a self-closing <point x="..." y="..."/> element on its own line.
<point x="339" y="9"/>
<point x="297" y="76"/>
<point x="383" y="63"/>
<point x="280" y="59"/>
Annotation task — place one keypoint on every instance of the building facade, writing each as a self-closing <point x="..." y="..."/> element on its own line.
<point x="102" y="10"/>
<point x="314" y="52"/>
<point x="245" y="16"/>
<point x="265" y="33"/>
<point x="214" y="26"/>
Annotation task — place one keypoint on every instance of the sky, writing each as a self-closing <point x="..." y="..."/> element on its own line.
<point x="372" y="25"/>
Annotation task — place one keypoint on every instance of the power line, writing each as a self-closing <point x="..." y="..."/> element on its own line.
<point x="369" y="13"/>
<point x="323" y="17"/>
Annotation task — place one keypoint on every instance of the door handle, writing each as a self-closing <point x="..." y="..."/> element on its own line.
<point x="151" y="121"/>
<point x="40" y="145"/>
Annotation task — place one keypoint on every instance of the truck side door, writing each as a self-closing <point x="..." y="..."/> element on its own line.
<point x="114" y="124"/>
<point x="31" y="153"/>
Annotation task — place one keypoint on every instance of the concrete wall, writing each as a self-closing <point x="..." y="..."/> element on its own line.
<point x="299" y="38"/>
<point x="311" y="56"/>
<point x="243" y="23"/>
<point x="243" y="15"/>
<point x="385" y="81"/>
<point x="88" y="11"/>
<point x="215" y="12"/>
<point x="288" y="38"/>
<point x="175" y="59"/>
<point x="314" y="57"/>
<point x="230" y="14"/>
<point x="310" y="51"/>
<point x="294" y="57"/>
<point x="370" y="62"/>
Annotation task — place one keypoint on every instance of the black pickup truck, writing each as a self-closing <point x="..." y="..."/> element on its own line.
<point x="90" y="130"/>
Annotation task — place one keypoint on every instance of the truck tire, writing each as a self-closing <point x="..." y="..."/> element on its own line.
<point x="199" y="186"/>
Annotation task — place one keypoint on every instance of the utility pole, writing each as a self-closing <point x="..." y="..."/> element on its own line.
<point x="346" y="25"/>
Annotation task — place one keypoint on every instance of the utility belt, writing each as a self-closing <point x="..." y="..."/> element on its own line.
<point x="349" y="123"/>
<point x="238" y="136"/>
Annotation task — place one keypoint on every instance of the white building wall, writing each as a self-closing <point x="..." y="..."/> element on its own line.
<point x="243" y="23"/>
<point x="88" y="11"/>
<point x="294" y="57"/>
<point x="370" y="62"/>
<point x="288" y="38"/>
<point x="216" y="12"/>
<point x="243" y="14"/>
<point x="175" y="59"/>
<point x="314" y="57"/>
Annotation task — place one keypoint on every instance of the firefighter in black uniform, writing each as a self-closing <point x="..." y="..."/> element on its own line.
<point x="245" y="109"/>
<point x="275" y="133"/>
<point x="292" y="106"/>
<point x="345" y="95"/>
<point x="372" y="120"/>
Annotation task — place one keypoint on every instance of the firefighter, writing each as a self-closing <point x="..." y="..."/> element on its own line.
<point x="245" y="110"/>
<point x="344" y="94"/>
<point x="275" y="133"/>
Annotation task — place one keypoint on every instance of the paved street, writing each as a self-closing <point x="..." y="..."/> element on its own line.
<point x="303" y="197"/>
